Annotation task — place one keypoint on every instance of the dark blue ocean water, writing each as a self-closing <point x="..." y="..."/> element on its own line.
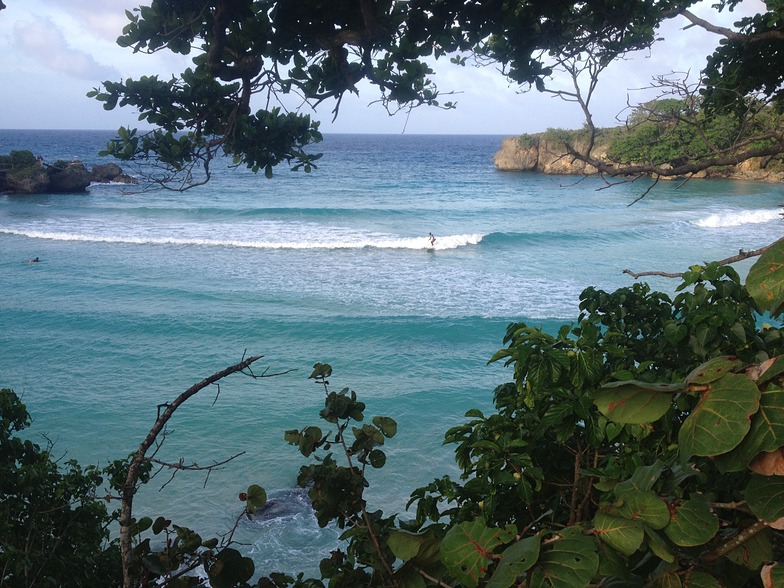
<point x="141" y="294"/>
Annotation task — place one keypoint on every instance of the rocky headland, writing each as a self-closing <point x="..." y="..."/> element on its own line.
<point x="30" y="175"/>
<point x="536" y="153"/>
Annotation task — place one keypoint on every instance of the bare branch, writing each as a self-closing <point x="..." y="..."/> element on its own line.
<point x="735" y="258"/>
<point x="695" y="20"/>
<point x="129" y="490"/>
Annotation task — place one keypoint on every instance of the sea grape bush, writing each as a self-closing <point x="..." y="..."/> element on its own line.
<point x="640" y="446"/>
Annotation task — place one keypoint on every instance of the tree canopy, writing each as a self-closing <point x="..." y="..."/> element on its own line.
<point x="248" y="54"/>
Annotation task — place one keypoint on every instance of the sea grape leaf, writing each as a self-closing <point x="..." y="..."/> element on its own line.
<point x="772" y="575"/>
<point x="644" y="507"/>
<point x="633" y="402"/>
<point x="407" y="546"/>
<point x="643" y="478"/>
<point x="611" y="563"/>
<point x="767" y="370"/>
<point x="230" y="568"/>
<point x="618" y="532"/>
<point x="765" y="497"/>
<point x="256" y="497"/>
<point x="721" y="418"/>
<point x="386" y="425"/>
<point x="515" y="561"/>
<point x="692" y="523"/>
<point x="404" y="545"/>
<point x="753" y="552"/>
<point x="570" y="562"/>
<point x="669" y="579"/>
<point x="659" y="546"/>
<point x="700" y="579"/>
<point x="467" y="547"/>
<point x="768" y="463"/>
<point x="765" y="434"/>
<point x="765" y="281"/>
<point x="712" y="370"/>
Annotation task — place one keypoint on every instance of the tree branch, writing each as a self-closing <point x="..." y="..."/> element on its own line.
<point x="129" y="490"/>
<point x="735" y="258"/>
<point x="729" y="33"/>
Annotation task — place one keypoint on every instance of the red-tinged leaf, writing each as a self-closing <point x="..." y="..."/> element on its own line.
<point x="692" y="523"/>
<point x="467" y="548"/>
<point x="721" y="419"/>
<point x="632" y="402"/>
<point x="712" y="370"/>
<point x="765" y="282"/>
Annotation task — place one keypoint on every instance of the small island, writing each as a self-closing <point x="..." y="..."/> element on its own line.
<point x="21" y="172"/>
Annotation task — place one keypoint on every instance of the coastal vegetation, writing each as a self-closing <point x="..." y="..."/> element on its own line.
<point x="639" y="446"/>
<point x="657" y="134"/>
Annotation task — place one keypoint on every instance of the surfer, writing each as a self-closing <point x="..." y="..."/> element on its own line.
<point x="432" y="239"/>
<point x="34" y="260"/>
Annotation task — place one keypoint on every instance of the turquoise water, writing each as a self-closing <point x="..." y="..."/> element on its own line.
<point x="140" y="295"/>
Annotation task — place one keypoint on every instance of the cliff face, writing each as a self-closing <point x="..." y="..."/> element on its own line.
<point x="539" y="155"/>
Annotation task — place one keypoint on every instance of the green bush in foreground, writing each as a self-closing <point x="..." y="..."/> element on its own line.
<point x="53" y="530"/>
<point x="640" y="446"/>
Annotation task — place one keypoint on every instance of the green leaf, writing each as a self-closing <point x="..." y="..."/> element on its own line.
<point x="658" y="546"/>
<point x="644" y="507"/>
<point x="633" y="402"/>
<point x="422" y="547"/>
<point x="618" y="532"/>
<point x="257" y="497"/>
<point x="765" y="282"/>
<point x="387" y="425"/>
<point x="753" y="552"/>
<point x="404" y="545"/>
<point x="700" y="579"/>
<point x="467" y="547"/>
<point x="721" y="418"/>
<point x="643" y="478"/>
<point x="230" y="568"/>
<point x="515" y="561"/>
<point x="377" y="458"/>
<point x="765" y="434"/>
<point x="692" y="523"/>
<point x="570" y="562"/>
<point x="160" y="524"/>
<point x="712" y="370"/>
<point x="765" y="497"/>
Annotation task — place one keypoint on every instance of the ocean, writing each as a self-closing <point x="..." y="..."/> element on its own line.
<point x="140" y="294"/>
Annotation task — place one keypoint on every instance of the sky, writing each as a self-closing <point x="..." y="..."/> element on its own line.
<point x="55" y="51"/>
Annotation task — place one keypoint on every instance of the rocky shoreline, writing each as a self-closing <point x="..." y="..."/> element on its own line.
<point x="59" y="178"/>
<point x="539" y="155"/>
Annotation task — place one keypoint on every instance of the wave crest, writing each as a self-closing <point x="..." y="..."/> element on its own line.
<point x="737" y="218"/>
<point x="320" y="242"/>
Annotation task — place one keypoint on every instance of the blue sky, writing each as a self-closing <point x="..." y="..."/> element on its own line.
<point x="55" y="51"/>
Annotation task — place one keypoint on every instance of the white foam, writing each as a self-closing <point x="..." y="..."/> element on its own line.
<point x="337" y="242"/>
<point x="737" y="218"/>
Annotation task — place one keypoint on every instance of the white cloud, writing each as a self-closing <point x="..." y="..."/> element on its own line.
<point x="43" y="41"/>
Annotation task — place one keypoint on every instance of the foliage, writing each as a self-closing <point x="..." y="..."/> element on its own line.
<point x="676" y="132"/>
<point x="53" y="528"/>
<point x="18" y="159"/>
<point x="320" y="51"/>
